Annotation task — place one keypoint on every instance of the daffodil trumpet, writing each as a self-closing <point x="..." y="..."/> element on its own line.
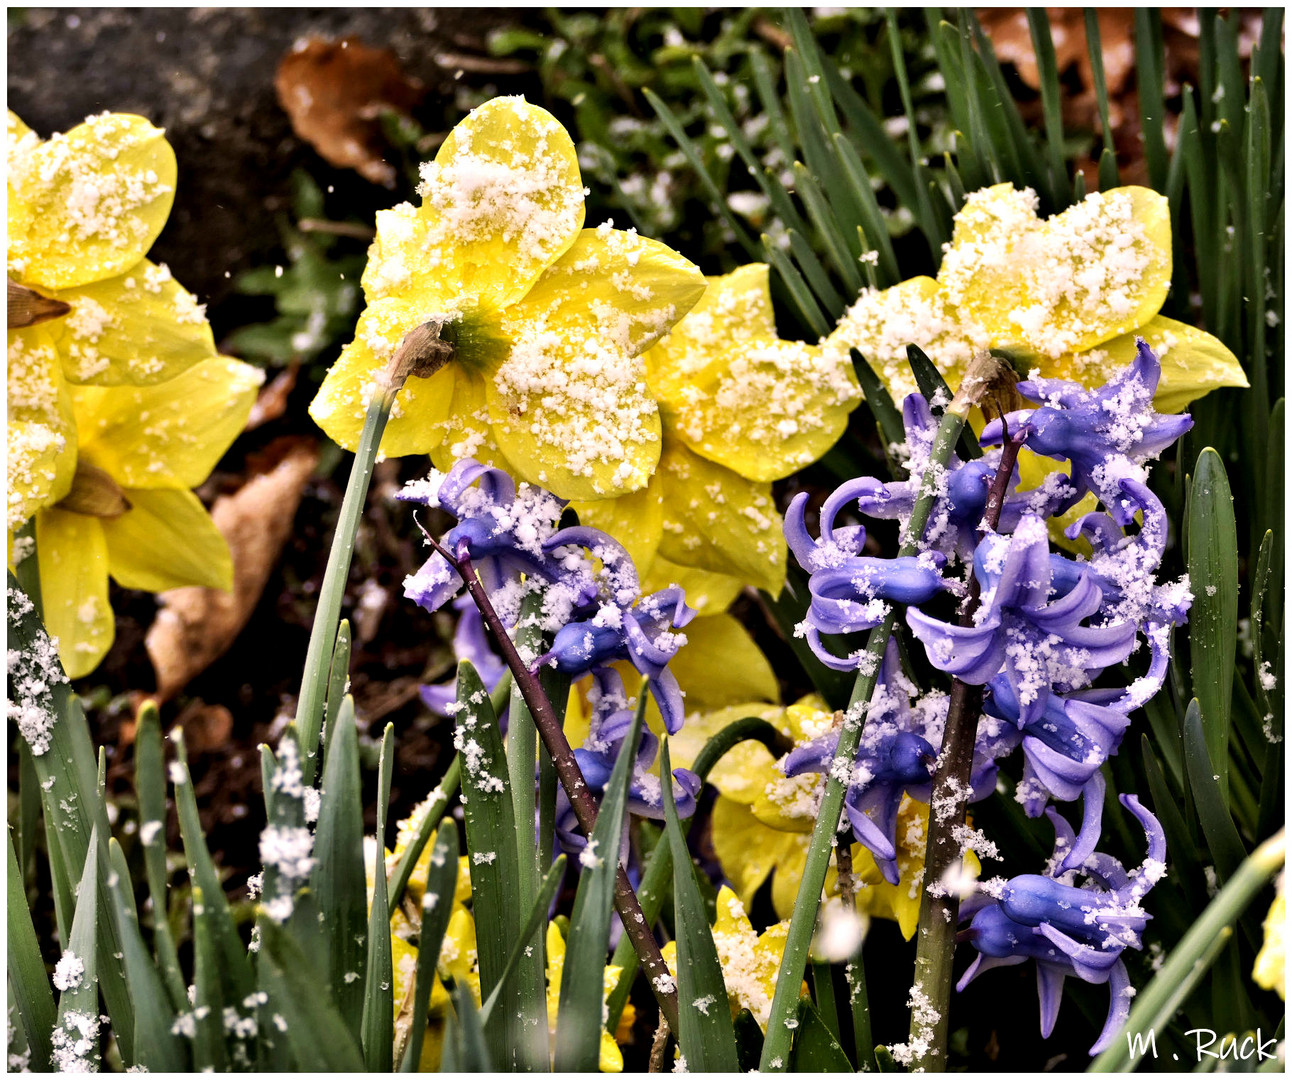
<point x="951" y="789"/>
<point x="636" y="927"/>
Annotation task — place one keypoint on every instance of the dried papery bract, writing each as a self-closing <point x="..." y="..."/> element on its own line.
<point x="27" y="307"/>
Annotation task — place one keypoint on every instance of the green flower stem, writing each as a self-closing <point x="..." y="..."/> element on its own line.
<point x="447" y="788"/>
<point x="1189" y="961"/>
<point x="939" y="915"/>
<point x="636" y="928"/>
<point x="776" y="1047"/>
<point x="419" y="353"/>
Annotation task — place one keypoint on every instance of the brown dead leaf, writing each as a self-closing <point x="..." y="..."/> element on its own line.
<point x="195" y="625"/>
<point x="334" y="91"/>
<point x="207" y="728"/>
<point x="271" y="402"/>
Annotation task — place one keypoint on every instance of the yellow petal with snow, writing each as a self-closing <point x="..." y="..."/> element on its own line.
<point x="406" y="260"/>
<point x="749" y="851"/>
<point x="880" y="324"/>
<point x="1033" y="469"/>
<point x="166" y="539"/>
<point x="504" y="195"/>
<point x="1099" y="269"/>
<point x="636" y="520"/>
<point x="572" y="415"/>
<point x="74" y="588"/>
<point x="707" y="592"/>
<point x="41" y="429"/>
<point x="716" y="520"/>
<point x="1193" y="362"/>
<point x="417" y="418"/>
<point x="790" y="803"/>
<point x="141" y="327"/>
<point x="737" y="394"/>
<point x="611" y="1058"/>
<point x="170" y="435"/>
<point x="20" y="141"/>
<point x="466" y="430"/>
<point x="98" y="197"/>
<point x="721" y="664"/>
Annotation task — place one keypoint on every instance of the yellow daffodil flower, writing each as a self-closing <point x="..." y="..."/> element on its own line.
<point x="83" y="209"/>
<point x="749" y="960"/>
<point x="548" y="319"/>
<point x="612" y="1059"/>
<point x="1069" y="294"/>
<point x="740" y="408"/>
<point x="1270" y="972"/>
<point x="129" y="511"/>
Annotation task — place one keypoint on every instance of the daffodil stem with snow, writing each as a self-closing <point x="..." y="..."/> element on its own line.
<point x="419" y="353"/>
<point x="780" y="1025"/>
<point x="636" y="927"/>
<point x="936" y="938"/>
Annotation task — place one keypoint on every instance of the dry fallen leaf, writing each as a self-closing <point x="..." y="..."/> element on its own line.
<point x="334" y="92"/>
<point x="195" y="625"/>
<point x="271" y="402"/>
<point x="207" y="728"/>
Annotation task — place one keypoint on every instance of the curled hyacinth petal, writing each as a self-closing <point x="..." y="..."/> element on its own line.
<point x="1107" y="433"/>
<point x="469" y="643"/>
<point x="1068" y="929"/>
<point x="1040" y="645"/>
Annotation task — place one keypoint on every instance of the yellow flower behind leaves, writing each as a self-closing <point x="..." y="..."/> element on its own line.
<point x="83" y="209"/>
<point x="548" y="319"/>
<point x="1068" y="294"/>
<point x="129" y="511"/>
<point x="1270" y="970"/>
<point x="740" y="408"/>
<point x="749" y="960"/>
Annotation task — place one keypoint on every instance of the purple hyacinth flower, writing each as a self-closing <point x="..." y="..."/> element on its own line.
<point x="850" y="591"/>
<point x="1041" y="644"/>
<point x="611" y="723"/>
<point x="957" y="513"/>
<point x="1070" y="930"/>
<point x="469" y="643"/>
<point x="646" y="636"/>
<point x="1106" y="433"/>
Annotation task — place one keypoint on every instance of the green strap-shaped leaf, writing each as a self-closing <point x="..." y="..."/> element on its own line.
<point x="537" y="918"/>
<point x="707" y="1039"/>
<point x="378" y="1021"/>
<point x="490" y="819"/>
<point x="930" y="381"/>
<point x="1222" y="837"/>
<point x="235" y="971"/>
<point x="208" y="997"/>
<point x="158" y="1049"/>
<point x="300" y="1009"/>
<point x="465" y="1048"/>
<point x="809" y="307"/>
<point x="815" y="1047"/>
<point x="78" y="1004"/>
<point x="430" y="821"/>
<point x="150" y="790"/>
<point x="28" y="981"/>
<point x="338" y="681"/>
<point x="578" y="1020"/>
<point x="1108" y="178"/>
<point x="437" y="906"/>
<point x="1213" y="620"/>
<point x="337" y="882"/>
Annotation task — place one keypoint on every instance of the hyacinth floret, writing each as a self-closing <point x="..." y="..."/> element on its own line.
<point x="610" y="724"/>
<point x="1107" y="434"/>
<point x="472" y="644"/>
<point x="1071" y="929"/>
<point x="962" y="490"/>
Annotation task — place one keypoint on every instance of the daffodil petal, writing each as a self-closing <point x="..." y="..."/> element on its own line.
<point x="880" y="324"/>
<point x="1099" y="269"/>
<point x="504" y="195"/>
<point x="626" y="289"/>
<point x="41" y="428"/>
<point x="721" y="664"/>
<point x="408" y="260"/>
<point x="74" y="588"/>
<point x="636" y="520"/>
<point x="98" y="197"/>
<point x="165" y="540"/>
<point x="716" y="520"/>
<point x="466" y="430"/>
<point x="737" y="394"/>
<point x="417" y="419"/>
<point x="706" y="591"/>
<point x="749" y="851"/>
<point x="1033" y="470"/>
<point x="169" y="435"/>
<point x="140" y="328"/>
<point x="1193" y="362"/>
